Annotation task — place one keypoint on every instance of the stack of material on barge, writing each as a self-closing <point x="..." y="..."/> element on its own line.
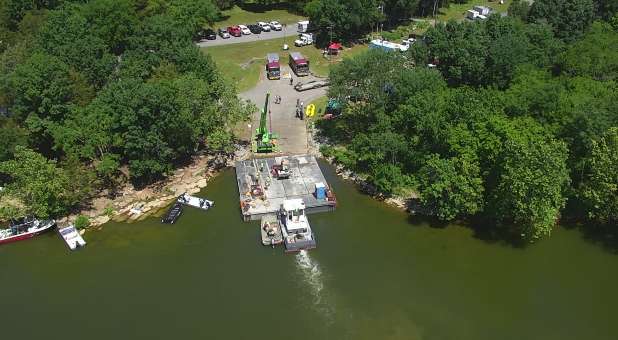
<point x="71" y="237"/>
<point x="196" y="202"/>
<point x="270" y="230"/>
<point x="172" y="214"/>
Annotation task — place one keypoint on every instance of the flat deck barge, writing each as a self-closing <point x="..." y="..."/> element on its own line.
<point x="262" y="194"/>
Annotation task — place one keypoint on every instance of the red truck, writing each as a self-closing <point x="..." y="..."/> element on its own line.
<point x="299" y="64"/>
<point x="273" y="70"/>
<point x="234" y="31"/>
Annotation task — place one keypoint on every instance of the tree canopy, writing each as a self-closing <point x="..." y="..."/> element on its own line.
<point x="511" y="125"/>
<point x="97" y="87"/>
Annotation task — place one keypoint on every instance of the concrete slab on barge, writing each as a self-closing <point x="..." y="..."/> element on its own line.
<point x="305" y="173"/>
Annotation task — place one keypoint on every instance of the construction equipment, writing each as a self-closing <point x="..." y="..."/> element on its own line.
<point x="280" y="171"/>
<point x="265" y="140"/>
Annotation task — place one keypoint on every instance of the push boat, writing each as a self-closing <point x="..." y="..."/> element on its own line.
<point x="25" y="228"/>
<point x="196" y="202"/>
<point x="270" y="230"/>
<point x="172" y="214"/>
<point x="71" y="237"/>
<point x="297" y="233"/>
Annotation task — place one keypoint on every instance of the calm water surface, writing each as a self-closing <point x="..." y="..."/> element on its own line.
<point x="374" y="275"/>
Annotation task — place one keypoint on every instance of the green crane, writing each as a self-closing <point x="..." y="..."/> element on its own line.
<point x="264" y="139"/>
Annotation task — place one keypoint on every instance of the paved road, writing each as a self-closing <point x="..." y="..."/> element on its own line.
<point x="291" y="130"/>
<point x="289" y="32"/>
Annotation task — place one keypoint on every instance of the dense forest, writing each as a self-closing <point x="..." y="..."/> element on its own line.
<point x="512" y="120"/>
<point x="97" y="93"/>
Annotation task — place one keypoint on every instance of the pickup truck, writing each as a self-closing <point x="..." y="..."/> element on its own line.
<point x="304" y="39"/>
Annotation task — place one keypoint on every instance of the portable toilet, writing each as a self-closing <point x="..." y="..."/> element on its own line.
<point x="320" y="191"/>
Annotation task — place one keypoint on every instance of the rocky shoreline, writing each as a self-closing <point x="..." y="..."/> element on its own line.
<point x="135" y="205"/>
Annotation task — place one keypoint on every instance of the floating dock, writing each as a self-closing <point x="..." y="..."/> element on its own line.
<point x="262" y="194"/>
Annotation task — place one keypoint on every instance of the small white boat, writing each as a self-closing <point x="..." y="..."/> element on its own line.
<point x="297" y="233"/>
<point x="196" y="202"/>
<point x="71" y="237"/>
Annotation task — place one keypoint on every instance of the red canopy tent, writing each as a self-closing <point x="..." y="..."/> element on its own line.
<point x="334" y="48"/>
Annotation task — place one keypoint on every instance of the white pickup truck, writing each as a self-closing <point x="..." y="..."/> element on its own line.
<point x="304" y="39"/>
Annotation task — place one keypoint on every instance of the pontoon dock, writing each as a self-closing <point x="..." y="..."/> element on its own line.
<point x="262" y="194"/>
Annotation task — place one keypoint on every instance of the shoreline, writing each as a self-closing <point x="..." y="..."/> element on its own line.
<point x="132" y="205"/>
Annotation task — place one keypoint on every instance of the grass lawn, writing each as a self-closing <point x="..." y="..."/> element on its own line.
<point x="252" y="13"/>
<point x="242" y="63"/>
<point x="458" y="11"/>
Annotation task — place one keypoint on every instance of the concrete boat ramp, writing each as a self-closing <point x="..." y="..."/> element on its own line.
<point x="262" y="194"/>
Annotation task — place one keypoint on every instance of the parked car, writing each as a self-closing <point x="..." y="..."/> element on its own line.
<point x="244" y="29"/>
<point x="275" y="25"/>
<point x="234" y="31"/>
<point x="223" y="33"/>
<point x="210" y="34"/>
<point x="255" y="29"/>
<point x="264" y="26"/>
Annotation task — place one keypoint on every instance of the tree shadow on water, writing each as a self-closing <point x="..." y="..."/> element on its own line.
<point x="604" y="236"/>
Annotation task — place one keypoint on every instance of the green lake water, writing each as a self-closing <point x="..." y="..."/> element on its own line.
<point x="376" y="274"/>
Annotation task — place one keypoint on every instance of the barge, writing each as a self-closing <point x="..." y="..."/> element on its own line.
<point x="264" y="183"/>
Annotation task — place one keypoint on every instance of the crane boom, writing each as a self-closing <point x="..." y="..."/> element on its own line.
<point x="262" y="129"/>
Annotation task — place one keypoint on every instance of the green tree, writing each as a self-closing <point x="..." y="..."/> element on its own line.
<point x="532" y="178"/>
<point x="519" y="9"/>
<point x="600" y="189"/>
<point x="346" y="19"/>
<point x="593" y="55"/>
<point x="37" y="181"/>
<point x="113" y="21"/>
<point x="451" y="188"/>
<point x="569" y="18"/>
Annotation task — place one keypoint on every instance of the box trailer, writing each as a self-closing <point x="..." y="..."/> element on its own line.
<point x="299" y="64"/>
<point x="273" y="69"/>
<point x="388" y="46"/>
<point x="303" y="26"/>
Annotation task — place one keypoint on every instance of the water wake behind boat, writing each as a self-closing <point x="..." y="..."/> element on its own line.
<point x="312" y="275"/>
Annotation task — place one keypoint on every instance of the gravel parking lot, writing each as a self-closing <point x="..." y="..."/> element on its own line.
<point x="288" y="31"/>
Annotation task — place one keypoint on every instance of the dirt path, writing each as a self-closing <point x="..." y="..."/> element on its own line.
<point x="293" y="137"/>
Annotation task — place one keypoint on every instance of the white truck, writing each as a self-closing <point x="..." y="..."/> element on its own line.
<point x="303" y="26"/>
<point x="304" y="39"/>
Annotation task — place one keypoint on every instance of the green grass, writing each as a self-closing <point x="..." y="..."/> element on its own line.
<point x="252" y="13"/>
<point x="458" y="11"/>
<point x="320" y="106"/>
<point x="242" y="63"/>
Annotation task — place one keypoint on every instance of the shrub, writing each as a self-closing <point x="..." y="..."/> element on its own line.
<point x="82" y="222"/>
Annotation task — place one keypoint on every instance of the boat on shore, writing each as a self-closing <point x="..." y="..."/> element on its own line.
<point x="196" y="202"/>
<point x="297" y="233"/>
<point x="270" y="231"/>
<point x="71" y="237"/>
<point x="172" y="214"/>
<point x="25" y="228"/>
